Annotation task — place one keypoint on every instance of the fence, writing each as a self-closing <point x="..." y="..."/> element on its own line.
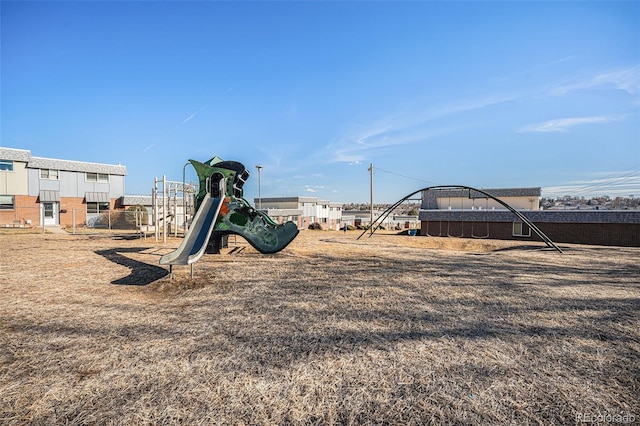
<point x="35" y="217"/>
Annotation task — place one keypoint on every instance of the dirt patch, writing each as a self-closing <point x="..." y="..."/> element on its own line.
<point x="333" y="330"/>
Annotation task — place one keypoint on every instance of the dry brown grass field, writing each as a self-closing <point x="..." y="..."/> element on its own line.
<point x="384" y="330"/>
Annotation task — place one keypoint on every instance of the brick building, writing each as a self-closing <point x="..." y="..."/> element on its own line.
<point x="36" y="190"/>
<point x="469" y="214"/>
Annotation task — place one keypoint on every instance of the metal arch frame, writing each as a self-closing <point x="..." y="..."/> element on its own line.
<point x="520" y="216"/>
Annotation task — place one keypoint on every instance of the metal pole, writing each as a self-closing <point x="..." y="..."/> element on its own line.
<point x="164" y="208"/>
<point x="259" y="188"/>
<point x="156" y="229"/>
<point x="184" y="197"/>
<point x="175" y="210"/>
<point x="371" y="195"/>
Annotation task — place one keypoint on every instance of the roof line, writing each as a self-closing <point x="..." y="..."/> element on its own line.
<point x="75" y="161"/>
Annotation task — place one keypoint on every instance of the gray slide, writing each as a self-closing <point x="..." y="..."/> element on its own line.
<point x="195" y="242"/>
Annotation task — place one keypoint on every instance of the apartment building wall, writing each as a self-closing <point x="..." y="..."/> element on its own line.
<point x="311" y="210"/>
<point x="56" y="192"/>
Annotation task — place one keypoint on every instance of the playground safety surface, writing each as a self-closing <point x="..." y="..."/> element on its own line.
<point x="332" y="330"/>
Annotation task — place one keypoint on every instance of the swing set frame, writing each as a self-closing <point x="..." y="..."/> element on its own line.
<point x="380" y="219"/>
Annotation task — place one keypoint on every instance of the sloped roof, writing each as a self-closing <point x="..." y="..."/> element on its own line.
<point x="288" y="200"/>
<point x="47" y="196"/>
<point x="15" y="154"/>
<point x="134" y="200"/>
<point x="510" y="192"/>
<point x="76" y="166"/>
<point x="25" y="156"/>
<point x="96" y="197"/>
<point x="496" y="192"/>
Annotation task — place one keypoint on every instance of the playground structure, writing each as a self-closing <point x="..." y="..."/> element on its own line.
<point x="483" y="194"/>
<point x="170" y="212"/>
<point x="221" y="210"/>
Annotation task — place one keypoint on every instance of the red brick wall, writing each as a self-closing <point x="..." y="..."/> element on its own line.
<point x="605" y="234"/>
<point x="465" y="230"/>
<point x="71" y="204"/>
<point x="25" y="208"/>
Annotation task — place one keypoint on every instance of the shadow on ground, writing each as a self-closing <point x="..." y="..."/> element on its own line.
<point x="141" y="273"/>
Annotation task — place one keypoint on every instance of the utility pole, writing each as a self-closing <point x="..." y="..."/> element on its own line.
<point x="259" y="189"/>
<point x="370" y="169"/>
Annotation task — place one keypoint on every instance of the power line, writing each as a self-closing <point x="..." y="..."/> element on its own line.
<point x="612" y="181"/>
<point x="404" y="176"/>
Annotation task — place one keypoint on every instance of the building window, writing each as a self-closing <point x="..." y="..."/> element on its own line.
<point x="48" y="174"/>
<point x="48" y="210"/>
<point x="6" y="202"/>
<point x="93" y="207"/>
<point x="97" y="177"/>
<point x="6" y="165"/>
<point x="521" y="229"/>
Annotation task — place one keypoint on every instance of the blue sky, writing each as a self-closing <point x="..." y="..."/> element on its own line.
<point x="485" y="94"/>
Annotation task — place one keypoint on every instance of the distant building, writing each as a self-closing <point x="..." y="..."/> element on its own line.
<point x="404" y="221"/>
<point x="470" y="214"/>
<point x="303" y="211"/>
<point x="464" y="199"/>
<point x="36" y="190"/>
<point x="359" y="217"/>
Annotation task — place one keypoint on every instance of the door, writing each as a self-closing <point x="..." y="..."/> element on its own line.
<point x="50" y="213"/>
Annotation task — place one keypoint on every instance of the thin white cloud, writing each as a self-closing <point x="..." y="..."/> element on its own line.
<point x="148" y="147"/>
<point x="626" y="79"/>
<point x="313" y="188"/>
<point x="559" y="61"/>
<point x="467" y="105"/>
<point x="564" y="124"/>
<point x="402" y="129"/>
<point x="542" y="66"/>
<point x="189" y="118"/>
